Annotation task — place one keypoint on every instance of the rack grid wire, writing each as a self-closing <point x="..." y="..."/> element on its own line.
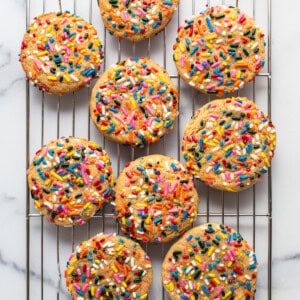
<point x="250" y="212"/>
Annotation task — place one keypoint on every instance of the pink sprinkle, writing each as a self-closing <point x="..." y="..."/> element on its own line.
<point x="182" y="282"/>
<point x="212" y="86"/>
<point x="127" y="184"/>
<point x="59" y="170"/>
<point x="65" y="35"/>
<point x="237" y="103"/>
<point x="216" y="64"/>
<point x="234" y="152"/>
<point x="145" y="84"/>
<point x="119" y="118"/>
<point x="91" y="199"/>
<point x="166" y="189"/>
<point x="99" y="165"/>
<point x="50" y="46"/>
<point x="84" y="288"/>
<point x="150" y="121"/>
<point x="37" y="64"/>
<point x="241" y="18"/>
<point x="109" y="234"/>
<point x="155" y="97"/>
<point x="131" y="118"/>
<point x="217" y="30"/>
<point x="240" y="125"/>
<point x="159" y="178"/>
<point x="124" y="111"/>
<point x="185" y="185"/>
<point x="71" y="256"/>
<point x="125" y="14"/>
<point x="78" y="271"/>
<point x="220" y="290"/>
<point x="117" y="279"/>
<point x="227" y="176"/>
<point x="174" y="186"/>
<point x="59" y="184"/>
<point x="237" y="183"/>
<point x="88" y="79"/>
<point x="199" y="67"/>
<point x="203" y="266"/>
<point x="213" y="106"/>
<point x="88" y="272"/>
<point x="97" y="294"/>
<point x="200" y="42"/>
<point x="143" y="71"/>
<point x="141" y="11"/>
<point x="149" y="109"/>
<point x="173" y="210"/>
<point x="214" y="116"/>
<point x="64" y="21"/>
<point x="182" y="61"/>
<point x="233" y="73"/>
<point x="83" y="174"/>
<point x="237" y="173"/>
<point x="232" y="252"/>
<point x="140" y="208"/>
<point x="77" y="286"/>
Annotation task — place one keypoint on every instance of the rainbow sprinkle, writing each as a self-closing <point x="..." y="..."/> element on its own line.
<point x="219" y="50"/>
<point x="229" y="144"/>
<point x="61" y="52"/>
<point x="156" y="200"/>
<point x="211" y="261"/>
<point x="109" y="267"/>
<point x="134" y="102"/>
<point x="69" y="180"/>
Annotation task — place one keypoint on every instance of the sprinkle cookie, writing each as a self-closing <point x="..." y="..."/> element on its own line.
<point x="134" y="102"/>
<point x="210" y="261"/>
<point x="136" y="20"/>
<point x="69" y="180"/>
<point x="109" y="267"/>
<point x="229" y="144"/>
<point x="60" y="53"/>
<point x="219" y="50"/>
<point x="156" y="200"/>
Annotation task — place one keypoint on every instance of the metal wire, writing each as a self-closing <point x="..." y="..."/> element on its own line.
<point x="103" y="216"/>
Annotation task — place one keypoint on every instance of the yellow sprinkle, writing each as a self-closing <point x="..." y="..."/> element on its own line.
<point x="116" y="122"/>
<point x="93" y="272"/>
<point x="181" y="47"/>
<point x="160" y="76"/>
<point x="132" y="103"/>
<point x="227" y="295"/>
<point x="47" y="181"/>
<point x="229" y="189"/>
<point x="175" y="56"/>
<point x="55" y="175"/>
<point x="212" y="36"/>
<point x="205" y="54"/>
<point x="37" y="204"/>
<point x="211" y="144"/>
<point x="144" y="296"/>
<point x="216" y="280"/>
<point x="49" y="28"/>
<point x="70" y="271"/>
<point x="212" y="275"/>
<point x="229" y="264"/>
<point x="93" y="291"/>
<point x="148" y="220"/>
<point x="66" y="78"/>
<point x="52" y="78"/>
<point x="119" y="248"/>
<point x="123" y="220"/>
<point x="211" y="250"/>
<point x="198" y="286"/>
<point x="124" y="284"/>
<point x="170" y="286"/>
<point x="267" y="162"/>
<point x="114" y="269"/>
<point x="87" y="205"/>
<point x="71" y="153"/>
<point x="70" y="288"/>
<point x="97" y="42"/>
<point x="103" y="128"/>
<point x="150" y="81"/>
<point x="193" y="297"/>
<point x="195" y="78"/>
<point x="42" y="53"/>
<point x="223" y="236"/>
<point x="82" y="51"/>
<point x="198" y="259"/>
<point x="228" y="148"/>
<point x="238" y="74"/>
<point x="209" y="46"/>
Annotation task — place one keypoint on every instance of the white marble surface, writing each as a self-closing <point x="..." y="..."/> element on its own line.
<point x="285" y="167"/>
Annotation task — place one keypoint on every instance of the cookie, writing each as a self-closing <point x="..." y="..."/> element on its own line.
<point x="134" y="102"/>
<point x="156" y="200"/>
<point x="210" y="261"/>
<point x="136" y="20"/>
<point x="219" y="50"/>
<point x="109" y="266"/>
<point x="69" y="180"/>
<point x="229" y="144"/>
<point x="60" y="53"/>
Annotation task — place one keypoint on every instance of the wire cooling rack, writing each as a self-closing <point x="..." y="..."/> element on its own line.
<point x="48" y="117"/>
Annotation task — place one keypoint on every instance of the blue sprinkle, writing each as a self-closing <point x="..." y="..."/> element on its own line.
<point x="248" y="286"/>
<point x="157" y="220"/>
<point x="208" y="157"/>
<point x="201" y="143"/>
<point x="242" y="158"/>
<point x="80" y="293"/>
<point x="194" y="50"/>
<point x="189" y="237"/>
<point x="205" y="290"/>
<point x="155" y="24"/>
<point x="243" y="177"/>
<point x="211" y="29"/>
<point x="169" y="3"/>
